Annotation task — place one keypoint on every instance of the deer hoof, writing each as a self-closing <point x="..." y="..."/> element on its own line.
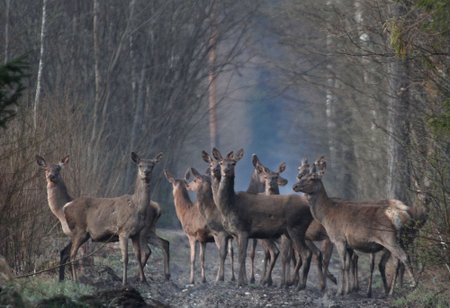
<point x="167" y="276"/>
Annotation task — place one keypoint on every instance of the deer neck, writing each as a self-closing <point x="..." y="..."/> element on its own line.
<point x="141" y="195"/>
<point x="206" y="201"/>
<point x="319" y="202"/>
<point x="182" y="202"/>
<point x="273" y="191"/>
<point x="226" y="195"/>
<point x="57" y="196"/>
<point x="255" y="186"/>
<point x="215" y="182"/>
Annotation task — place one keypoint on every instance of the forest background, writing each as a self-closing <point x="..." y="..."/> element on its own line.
<point x="365" y="83"/>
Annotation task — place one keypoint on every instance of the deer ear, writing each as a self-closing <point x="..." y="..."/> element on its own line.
<point x="65" y="160"/>
<point x="158" y="157"/>
<point x="41" y="161"/>
<point x="169" y="176"/>
<point x="230" y="155"/>
<point x="206" y="157"/>
<point x="135" y="158"/>
<point x="255" y="160"/>
<point x="187" y="175"/>
<point x="281" y="167"/>
<point x="239" y="155"/>
<point x="282" y="181"/>
<point x="195" y="172"/>
<point x="216" y="154"/>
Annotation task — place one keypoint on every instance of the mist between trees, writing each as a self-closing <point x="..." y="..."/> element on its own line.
<point x="363" y="82"/>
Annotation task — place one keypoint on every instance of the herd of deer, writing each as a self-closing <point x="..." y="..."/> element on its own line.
<point x="220" y="215"/>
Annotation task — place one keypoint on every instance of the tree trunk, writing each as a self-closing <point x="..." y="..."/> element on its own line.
<point x="212" y="78"/>
<point x="5" y="60"/>
<point x="398" y="181"/>
<point x="41" y="63"/>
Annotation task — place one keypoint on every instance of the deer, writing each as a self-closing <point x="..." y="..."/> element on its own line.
<point x="194" y="224"/>
<point x="260" y="216"/>
<point x="256" y="185"/>
<point x="111" y="219"/>
<point x="364" y="226"/>
<point x="58" y="196"/>
<point x="201" y="185"/>
<point x="315" y="231"/>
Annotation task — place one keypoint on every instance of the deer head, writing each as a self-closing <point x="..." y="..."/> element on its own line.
<point x="213" y="165"/>
<point x="228" y="163"/>
<point x="52" y="171"/>
<point x="198" y="181"/>
<point x="272" y="179"/>
<point x="309" y="179"/>
<point x="176" y="183"/>
<point x="145" y="166"/>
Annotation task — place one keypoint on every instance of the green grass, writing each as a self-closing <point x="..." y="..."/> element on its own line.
<point x="32" y="290"/>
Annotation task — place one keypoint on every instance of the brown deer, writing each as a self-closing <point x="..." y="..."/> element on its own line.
<point x="201" y="185"/>
<point x="315" y="232"/>
<point x="58" y="196"/>
<point x="260" y="216"/>
<point x="353" y="225"/>
<point x="194" y="224"/>
<point x="109" y="219"/>
<point x="408" y="234"/>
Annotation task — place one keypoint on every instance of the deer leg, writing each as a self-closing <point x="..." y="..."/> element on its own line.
<point x="382" y="268"/>
<point x="285" y="259"/>
<point x="164" y="245"/>
<point x="192" y="260"/>
<point x="353" y="259"/>
<point x="318" y="257"/>
<point x="343" y="255"/>
<point x="231" y="253"/>
<point x="221" y="243"/>
<point x="77" y="241"/>
<point x="252" y="260"/>
<point x="372" y="265"/>
<point x="327" y="251"/>
<point x="293" y="281"/>
<point x="64" y="256"/>
<point x="243" y="243"/>
<point x="202" y="260"/>
<point x="304" y="261"/>
<point x="273" y="253"/>
<point x="123" y="242"/>
<point x="136" y="241"/>
<point x="401" y="255"/>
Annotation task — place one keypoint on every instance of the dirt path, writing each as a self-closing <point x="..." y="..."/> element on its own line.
<point x="177" y="292"/>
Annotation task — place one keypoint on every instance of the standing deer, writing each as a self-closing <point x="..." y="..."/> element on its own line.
<point x="58" y="196"/>
<point x="106" y="219"/>
<point x="271" y="251"/>
<point x="315" y="232"/>
<point x="353" y="225"/>
<point x="194" y="224"/>
<point x="201" y="185"/>
<point x="259" y="216"/>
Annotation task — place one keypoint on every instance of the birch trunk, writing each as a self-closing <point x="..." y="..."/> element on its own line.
<point x="212" y="78"/>
<point x="41" y="63"/>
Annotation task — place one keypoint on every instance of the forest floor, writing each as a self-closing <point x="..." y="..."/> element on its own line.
<point x="104" y="282"/>
<point x="178" y="293"/>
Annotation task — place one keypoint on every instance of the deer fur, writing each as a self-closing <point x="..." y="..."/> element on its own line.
<point x="194" y="224"/>
<point x="201" y="185"/>
<point x="58" y="196"/>
<point x="352" y="225"/>
<point x="259" y="216"/>
<point x="109" y="219"/>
